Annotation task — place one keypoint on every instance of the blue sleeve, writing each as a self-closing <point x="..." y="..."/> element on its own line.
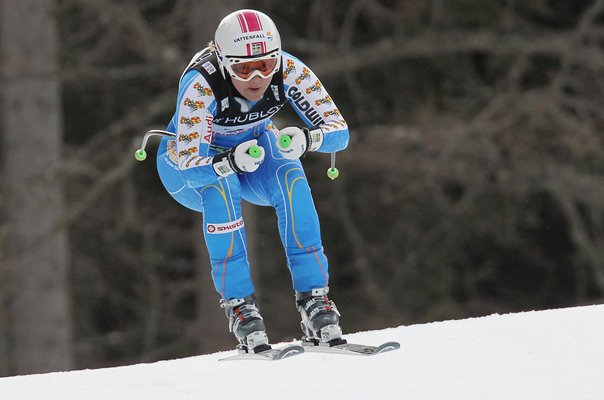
<point x="192" y="124"/>
<point x="313" y="104"/>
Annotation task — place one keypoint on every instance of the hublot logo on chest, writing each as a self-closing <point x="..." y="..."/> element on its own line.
<point x="247" y="118"/>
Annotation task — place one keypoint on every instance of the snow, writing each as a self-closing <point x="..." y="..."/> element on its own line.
<point x="555" y="354"/>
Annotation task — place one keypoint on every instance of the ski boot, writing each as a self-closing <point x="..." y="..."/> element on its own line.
<point x="246" y="323"/>
<point x="320" y="318"/>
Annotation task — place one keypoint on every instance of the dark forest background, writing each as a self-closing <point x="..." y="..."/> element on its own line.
<point x="473" y="183"/>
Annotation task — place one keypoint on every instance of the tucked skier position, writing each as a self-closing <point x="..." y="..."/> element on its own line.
<point x="224" y="147"/>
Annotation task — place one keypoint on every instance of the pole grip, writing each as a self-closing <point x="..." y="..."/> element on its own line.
<point x="254" y="151"/>
<point x="285" y="141"/>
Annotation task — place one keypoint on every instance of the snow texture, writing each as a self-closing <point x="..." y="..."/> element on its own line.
<point x="549" y="355"/>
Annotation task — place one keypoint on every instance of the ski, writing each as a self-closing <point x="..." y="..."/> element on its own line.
<point x="270" y="354"/>
<point x="341" y="346"/>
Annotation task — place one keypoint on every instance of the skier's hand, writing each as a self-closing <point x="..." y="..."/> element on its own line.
<point x="294" y="142"/>
<point x="245" y="157"/>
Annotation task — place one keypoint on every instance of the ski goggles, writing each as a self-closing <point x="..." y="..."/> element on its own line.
<point x="248" y="69"/>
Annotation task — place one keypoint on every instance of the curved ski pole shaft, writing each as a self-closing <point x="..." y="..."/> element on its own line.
<point x="141" y="154"/>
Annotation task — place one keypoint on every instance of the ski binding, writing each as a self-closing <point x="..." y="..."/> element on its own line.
<point x="341" y="346"/>
<point x="266" y="352"/>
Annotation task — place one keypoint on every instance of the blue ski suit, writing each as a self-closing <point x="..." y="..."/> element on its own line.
<point x="211" y="117"/>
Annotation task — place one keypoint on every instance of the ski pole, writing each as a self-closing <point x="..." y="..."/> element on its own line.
<point x="140" y="154"/>
<point x="332" y="173"/>
<point x="254" y="151"/>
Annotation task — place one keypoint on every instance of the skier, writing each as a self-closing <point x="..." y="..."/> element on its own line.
<point x="227" y="149"/>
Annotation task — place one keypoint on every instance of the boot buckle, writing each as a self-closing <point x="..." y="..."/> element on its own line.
<point x="330" y="332"/>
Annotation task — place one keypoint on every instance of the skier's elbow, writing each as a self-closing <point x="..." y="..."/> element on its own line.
<point x="345" y="139"/>
<point x="338" y="141"/>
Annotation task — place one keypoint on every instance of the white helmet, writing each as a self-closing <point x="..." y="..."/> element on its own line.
<point x="248" y="44"/>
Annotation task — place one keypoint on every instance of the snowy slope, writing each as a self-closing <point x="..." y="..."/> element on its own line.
<point x="549" y="355"/>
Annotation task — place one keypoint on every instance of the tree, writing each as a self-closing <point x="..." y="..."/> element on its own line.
<point x="36" y="290"/>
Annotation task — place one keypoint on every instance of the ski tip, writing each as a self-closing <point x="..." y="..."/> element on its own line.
<point x="290" y="351"/>
<point x="388" y="346"/>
